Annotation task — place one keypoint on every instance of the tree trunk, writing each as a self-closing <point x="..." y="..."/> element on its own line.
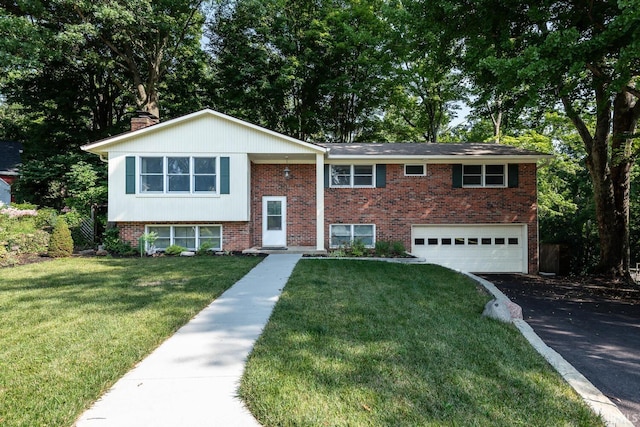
<point x="609" y="163"/>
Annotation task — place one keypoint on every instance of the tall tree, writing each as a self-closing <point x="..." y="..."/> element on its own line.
<point x="582" y="54"/>
<point x="144" y="37"/>
<point x="310" y="69"/>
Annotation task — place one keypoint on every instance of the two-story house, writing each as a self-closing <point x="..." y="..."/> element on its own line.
<point x="210" y="178"/>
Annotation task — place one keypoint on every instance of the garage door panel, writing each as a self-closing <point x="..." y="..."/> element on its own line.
<point x="488" y="248"/>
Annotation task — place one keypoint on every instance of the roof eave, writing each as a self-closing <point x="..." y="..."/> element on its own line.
<point x="99" y="146"/>
<point x="458" y="158"/>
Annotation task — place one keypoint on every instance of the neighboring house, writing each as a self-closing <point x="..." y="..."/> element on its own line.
<point x="10" y="154"/>
<point x="210" y="178"/>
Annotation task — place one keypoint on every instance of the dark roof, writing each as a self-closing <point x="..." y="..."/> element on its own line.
<point x="427" y="150"/>
<point x="10" y="152"/>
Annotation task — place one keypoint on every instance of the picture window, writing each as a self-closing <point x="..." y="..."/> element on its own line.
<point x="178" y="174"/>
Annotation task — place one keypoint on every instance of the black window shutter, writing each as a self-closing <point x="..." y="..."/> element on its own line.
<point x="381" y="176"/>
<point x="130" y="175"/>
<point x="457" y="175"/>
<point x="513" y="176"/>
<point x="224" y="176"/>
<point x="327" y="173"/>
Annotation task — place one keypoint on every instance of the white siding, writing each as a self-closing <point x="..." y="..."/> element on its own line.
<point x="179" y="207"/>
<point x="209" y="134"/>
<point x="203" y="135"/>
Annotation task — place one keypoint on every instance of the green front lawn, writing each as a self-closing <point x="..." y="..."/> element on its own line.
<point x="360" y="343"/>
<point x="70" y="328"/>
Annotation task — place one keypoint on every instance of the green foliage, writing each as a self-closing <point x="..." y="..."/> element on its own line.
<point x="174" y="250"/>
<point x="338" y="253"/>
<point x="21" y="233"/>
<point x="113" y="244"/>
<point x="36" y="242"/>
<point x="383" y="248"/>
<point x="86" y="186"/>
<point x="146" y="240"/>
<point x="46" y="218"/>
<point x="398" y="248"/>
<point x="61" y="243"/>
<point x="314" y="71"/>
<point x="357" y="248"/>
<point x="205" y="249"/>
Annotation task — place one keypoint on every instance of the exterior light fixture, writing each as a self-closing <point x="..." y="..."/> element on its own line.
<point x="287" y="171"/>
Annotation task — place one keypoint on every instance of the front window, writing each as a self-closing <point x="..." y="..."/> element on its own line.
<point x="191" y="237"/>
<point x="346" y="234"/>
<point x="352" y="176"/>
<point x="483" y="176"/>
<point x="152" y="174"/>
<point x="204" y="173"/>
<point x="178" y="174"/>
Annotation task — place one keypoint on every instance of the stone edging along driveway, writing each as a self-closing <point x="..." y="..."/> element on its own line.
<point x="591" y="395"/>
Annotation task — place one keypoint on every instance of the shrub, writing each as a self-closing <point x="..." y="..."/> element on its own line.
<point x="36" y="242"/>
<point x="397" y="248"/>
<point x="383" y="248"/>
<point x="46" y="218"/>
<point x="174" y="250"/>
<point x="61" y="243"/>
<point x="205" y="249"/>
<point x="146" y="241"/>
<point x="358" y="248"/>
<point x="7" y="259"/>
<point x="112" y="243"/>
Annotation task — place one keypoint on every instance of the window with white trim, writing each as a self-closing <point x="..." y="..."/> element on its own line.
<point x="191" y="237"/>
<point x="415" y="170"/>
<point x="484" y="176"/>
<point x="178" y="174"/>
<point x="346" y="234"/>
<point x="352" y="176"/>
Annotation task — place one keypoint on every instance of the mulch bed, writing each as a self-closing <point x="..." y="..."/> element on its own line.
<point x="574" y="288"/>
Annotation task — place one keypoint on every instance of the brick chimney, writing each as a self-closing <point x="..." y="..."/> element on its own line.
<point x="143" y="119"/>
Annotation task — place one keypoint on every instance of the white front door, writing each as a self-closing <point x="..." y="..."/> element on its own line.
<point x="274" y="221"/>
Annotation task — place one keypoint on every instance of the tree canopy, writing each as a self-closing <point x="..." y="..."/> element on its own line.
<point x="556" y="76"/>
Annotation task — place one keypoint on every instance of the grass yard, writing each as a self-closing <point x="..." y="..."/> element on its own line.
<point x="70" y="328"/>
<point x="360" y="343"/>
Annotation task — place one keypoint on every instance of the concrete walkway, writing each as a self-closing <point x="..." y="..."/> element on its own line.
<point x="192" y="378"/>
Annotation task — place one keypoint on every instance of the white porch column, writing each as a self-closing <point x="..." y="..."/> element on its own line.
<point x="320" y="202"/>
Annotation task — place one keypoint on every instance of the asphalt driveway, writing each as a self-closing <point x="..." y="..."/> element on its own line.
<point x="594" y="328"/>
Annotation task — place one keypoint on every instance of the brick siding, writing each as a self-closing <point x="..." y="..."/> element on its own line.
<point x="236" y="236"/>
<point x="431" y="199"/>
<point x="405" y="201"/>
<point x="300" y="190"/>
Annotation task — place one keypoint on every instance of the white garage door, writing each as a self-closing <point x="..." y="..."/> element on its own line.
<point x="473" y="248"/>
